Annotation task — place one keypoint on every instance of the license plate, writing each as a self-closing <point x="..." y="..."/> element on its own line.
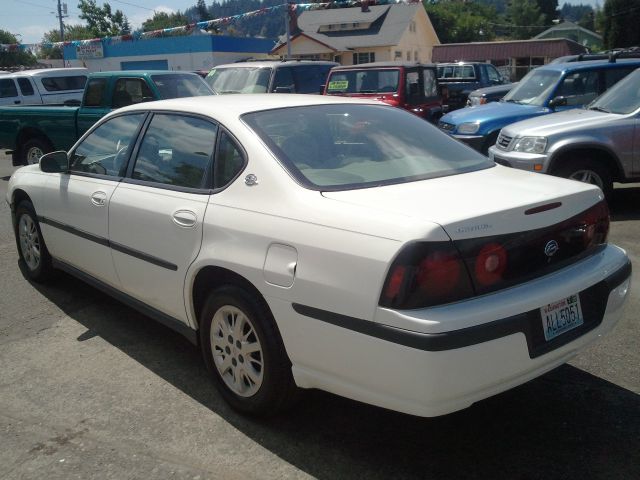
<point x="561" y="316"/>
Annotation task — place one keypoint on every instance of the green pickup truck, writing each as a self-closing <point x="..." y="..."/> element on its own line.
<point x="31" y="131"/>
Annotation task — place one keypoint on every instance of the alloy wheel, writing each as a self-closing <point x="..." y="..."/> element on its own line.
<point x="587" y="176"/>
<point x="29" y="242"/>
<point x="33" y="155"/>
<point x="237" y="352"/>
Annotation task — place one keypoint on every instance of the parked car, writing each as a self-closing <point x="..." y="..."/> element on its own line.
<point x="461" y="78"/>
<point x="30" y="131"/>
<point x="597" y="145"/>
<point x="489" y="94"/>
<point x="270" y="76"/>
<point x="324" y="242"/>
<point x="546" y="89"/>
<point x="411" y="86"/>
<point x="49" y="85"/>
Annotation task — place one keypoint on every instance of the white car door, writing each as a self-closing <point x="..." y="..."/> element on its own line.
<point x="29" y="94"/>
<point x="156" y="214"/>
<point x="74" y="210"/>
<point x="9" y="92"/>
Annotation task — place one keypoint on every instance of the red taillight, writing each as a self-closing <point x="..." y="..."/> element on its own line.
<point x="490" y="264"/>
<point x="596" y="224"/>
<point x="426" y="274"/>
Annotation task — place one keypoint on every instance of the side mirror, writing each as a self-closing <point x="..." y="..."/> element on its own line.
<point x="557" y="102"/>
<point x="322" y="87"/>
<point x="54" y="162"/>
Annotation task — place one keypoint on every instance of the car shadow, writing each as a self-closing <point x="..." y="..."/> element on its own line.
<point x="566" y="424"/>
<point x="625" y="204"/>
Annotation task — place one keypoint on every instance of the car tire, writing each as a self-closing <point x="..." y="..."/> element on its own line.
<point x="33" y="149"/>
<point x="589" y="171"/>
<point x="31" y="246"/>
<point x="243" y="351"/>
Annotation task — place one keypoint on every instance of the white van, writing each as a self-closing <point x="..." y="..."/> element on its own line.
<point x="49" y="85"/>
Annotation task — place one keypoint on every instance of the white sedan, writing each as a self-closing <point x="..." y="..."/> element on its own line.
<point x="319" y="242"/>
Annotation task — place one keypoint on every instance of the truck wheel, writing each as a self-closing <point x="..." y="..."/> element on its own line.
<point x="31" y="247"/>
<point x="243" y="351"/>
<point x="33" y="149"/>
<point x="588" y="171"/>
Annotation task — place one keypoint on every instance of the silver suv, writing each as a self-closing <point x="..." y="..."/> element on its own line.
<point x="599" y="144"/>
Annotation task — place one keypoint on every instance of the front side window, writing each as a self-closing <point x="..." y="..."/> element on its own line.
<point x="310" y="78"/>
<point x="239" y="80"/>
<point x="180" y="85"/>
<point x="128" y="91"/>
<point x="579" y="88"/>
<point x="94" y="93"/>
<point x="25" y="87"/>
<point x="105" y="150"/>
<point x="176" y="150"/>
<point x="8" y="88"/>
<point x="534" y="88"/>
<point x="341" y="147"/>
<point x="60" y="84"/>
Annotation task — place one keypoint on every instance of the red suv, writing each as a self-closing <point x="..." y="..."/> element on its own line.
<point x="412" y="86"/>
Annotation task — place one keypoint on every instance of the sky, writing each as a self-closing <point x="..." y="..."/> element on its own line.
<point x="30" y="19"/>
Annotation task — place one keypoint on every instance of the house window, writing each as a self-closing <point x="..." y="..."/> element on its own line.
<point x="415" y="56"/>
<point x="408" y="56"/>
<point x="364" y="57"/>
<point x="397" y="55"/>
<point x="412" y="26"/>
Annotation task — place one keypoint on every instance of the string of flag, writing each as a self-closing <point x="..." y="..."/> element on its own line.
<point x="296" y="8"/>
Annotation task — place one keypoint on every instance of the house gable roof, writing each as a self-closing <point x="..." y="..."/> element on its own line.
<point x="568" y="26"/>
<point x="385" y="25"/>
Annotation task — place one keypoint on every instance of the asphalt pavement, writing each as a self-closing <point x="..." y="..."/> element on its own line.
<point x="92" y="389"/>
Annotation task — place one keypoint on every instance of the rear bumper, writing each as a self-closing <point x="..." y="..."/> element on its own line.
<point x="414" y="362"/>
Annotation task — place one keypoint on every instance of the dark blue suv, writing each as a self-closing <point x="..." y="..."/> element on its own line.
<point x="553" y="87"/>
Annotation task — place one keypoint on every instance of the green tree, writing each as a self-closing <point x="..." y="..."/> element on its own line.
<point x="549" y="9"/>
<point x="457" y="21"/>
<point x="14" y="59"/>
<point x="620" y="23"/>
<point x="162" y="20"/>
<point x="203" y="11"/>
<point x="525" y="18"/>
<point x="71" y="32"/>
<point x="102" y="21"/>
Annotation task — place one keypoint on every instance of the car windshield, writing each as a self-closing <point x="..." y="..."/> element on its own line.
<point x="364" y="81"/>
<point x="348" y="146"/>
<point x="623" y="98"/>
<point x="239" y="80"/>
<point x="180" y="85"/>
<point x="534" y="88"/>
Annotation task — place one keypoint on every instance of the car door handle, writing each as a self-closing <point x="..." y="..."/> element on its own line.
<point x="99" y="198"/>
<point x="185" y="218"/>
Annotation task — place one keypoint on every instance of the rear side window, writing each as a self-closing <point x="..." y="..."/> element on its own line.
<point x="94" y="93"/>
<point x="311" y="78"/>
<point x="493" y="74"/>
<point x="25" y="86"/>
<point x="176" y="150"/>
<point x="229" y="161"/>
<point x="8" y="88"/>
<point x="59" y="84"/>
<point x="614" y="75"/>
<point x="430" y="83"/>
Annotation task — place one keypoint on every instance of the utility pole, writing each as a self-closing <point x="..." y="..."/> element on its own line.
<point x="287" y="21"/>
<point x="62" y="8"/>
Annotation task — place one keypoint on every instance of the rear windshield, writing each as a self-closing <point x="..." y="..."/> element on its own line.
<point x="446" y="72"/>
<point x="59" y="84"/>
<point x="342" y="147"/>
<point x="534" y="88"/>
<point x="364" y="81"/>
<point x="180" y="85"/>
<point x="239" y="80"/>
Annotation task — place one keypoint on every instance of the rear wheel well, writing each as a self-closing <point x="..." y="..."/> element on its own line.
<point x="27" y="134"/>
<point x="601" y="156"/>
<point x="210" y="278"/>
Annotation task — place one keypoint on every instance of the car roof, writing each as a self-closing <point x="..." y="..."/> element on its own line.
<point x="588" y="65"/>
<point x="274" y="63"/>
<point x="45" y="72"/>
<point x="239" y="104"/>
<point x="360" y="66"/>
<point x="141" y="73"/>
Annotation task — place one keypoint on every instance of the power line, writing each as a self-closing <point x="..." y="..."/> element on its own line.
<point x="134" y="5"/>
<point x="34" y="4"/>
